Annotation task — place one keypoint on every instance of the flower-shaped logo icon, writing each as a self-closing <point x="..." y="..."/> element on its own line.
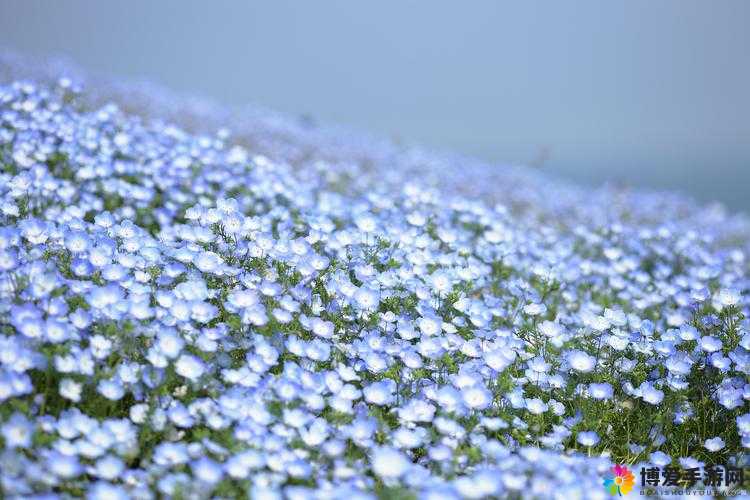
<point x="620" y="482"/>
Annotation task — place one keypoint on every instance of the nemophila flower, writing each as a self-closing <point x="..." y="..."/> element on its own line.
<point x="485" y="483"/>
<point x="389" y="463"/>
<point x="361" y="430"/>
<point x="726" y="297"/>
<point x="430" y="325"/>
<point x="100" y="346"/>
<point x="109" y="467"/>
<point x="448" y="398"/>
<point x="714" y="444"/>
<point x="728" y="396"/>
<point x="600" y="391"/>
<point x="111" y="389"/>
<point x="190" y="367"/>
<point x="441" y="282"/>
<point x="557" y="407"/>
<point x="678" y="363"/>
<point x="35" y="231"/>
<point x="499" y="359"/>
<point x="476" y="397"/>
<point x="417" y="410"/>
<point x="169" y="454"/>
<point x="650" y="394"/>
<point x="17" y="431"/>
<point x="64" y="466"/>
<point x="192" y="290"/>
<point x="691" y="463"/>
<point x="180" y="416"/>
<point x="616" y="317"/>
<point x="550" y="329"/>
<point x="70" y="389"/>
<point x="721" y="362"/>
<point x="322" y="328"/>
<point x="743" y="424"/>
<point x="101" y="297"/>
<point x="375" y="363"/>
<point x="8" y="260"/>
<point x="710" y="343"/>
<point x="587" y="438"/>
<point x="534" y="309"/>
<point x="538" y="365"/>
<point x="580" y="361"/>
<point x="76" y="241"/>
<point x="683" y="413"/>
<point x="595" y="322"/>
<point x="380" y="393"/>
<point x="618" y="341"/>
<point x="659" y="459"/>
<point x="206" y="470"/>
<point x="366" y="223"/>
<point x="536" y="406"/>
<point x="208" y="262"/>
<point x="366" y="299"/>
<point x="102" y="490"/>
<point x="170" y="343"/>
<point x="409" y="438"/>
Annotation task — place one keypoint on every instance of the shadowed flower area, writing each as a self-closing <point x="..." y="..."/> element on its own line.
<point x="284" y="310"/>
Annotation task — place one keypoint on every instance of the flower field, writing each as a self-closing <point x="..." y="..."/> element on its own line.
<point x="279" y="310"/>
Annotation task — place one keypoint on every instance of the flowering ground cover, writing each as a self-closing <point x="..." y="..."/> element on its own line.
<point x="286" y="311"/>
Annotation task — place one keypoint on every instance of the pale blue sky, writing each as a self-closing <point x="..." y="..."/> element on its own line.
<point x="650" y="93"/>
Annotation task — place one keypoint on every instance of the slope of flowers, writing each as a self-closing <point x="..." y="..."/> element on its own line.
<point x="184" y="316"/>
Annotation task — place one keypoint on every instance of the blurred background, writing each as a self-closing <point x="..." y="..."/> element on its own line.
<point x="639" y="92"/>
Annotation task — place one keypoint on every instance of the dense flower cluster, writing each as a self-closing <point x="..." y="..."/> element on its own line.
<point x="185" y="316"/>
